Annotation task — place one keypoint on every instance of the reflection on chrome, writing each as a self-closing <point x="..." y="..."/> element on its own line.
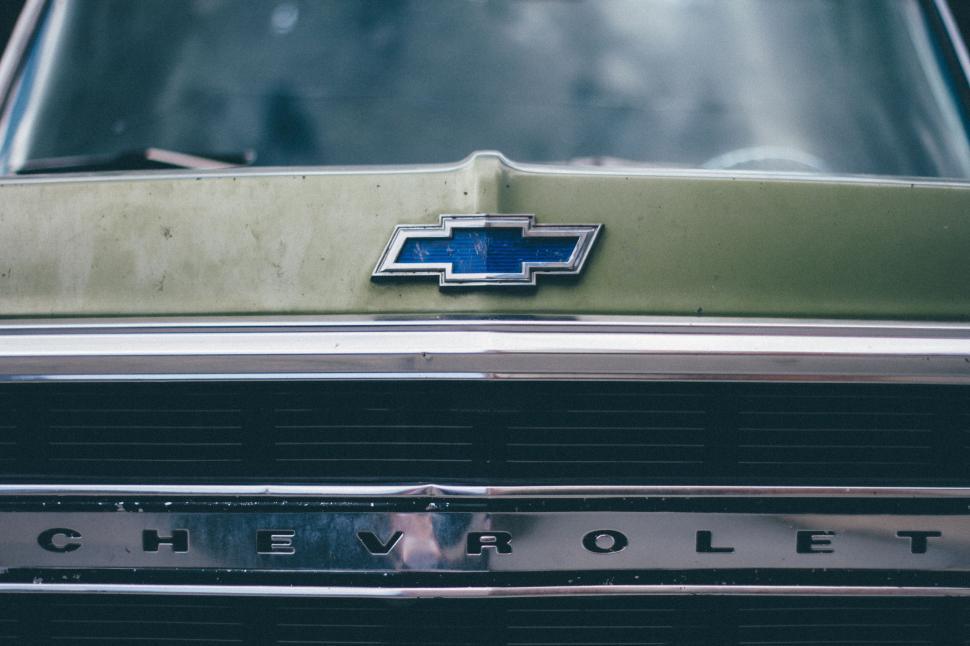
<point x="484" y="542"/>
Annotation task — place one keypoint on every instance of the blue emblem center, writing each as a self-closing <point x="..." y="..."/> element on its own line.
<point x="489" y="250"/>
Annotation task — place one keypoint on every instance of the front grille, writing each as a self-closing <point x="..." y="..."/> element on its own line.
<point x="495" y="432"/>
<point x="802" y="621"/>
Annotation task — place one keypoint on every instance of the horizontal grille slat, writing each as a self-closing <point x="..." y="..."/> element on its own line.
<point x="726" y="621"/>
<point x="512" y="432"/>
<point x="836" y="621"/>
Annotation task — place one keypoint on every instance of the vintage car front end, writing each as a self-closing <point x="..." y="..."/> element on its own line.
<point x="571" y="400"/>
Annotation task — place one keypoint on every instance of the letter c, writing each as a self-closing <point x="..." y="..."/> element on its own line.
<point x="46" y="540"/>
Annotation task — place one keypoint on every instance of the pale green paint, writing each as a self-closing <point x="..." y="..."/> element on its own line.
<point x="297" y="243"/>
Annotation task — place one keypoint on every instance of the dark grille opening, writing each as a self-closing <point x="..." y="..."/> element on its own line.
<point x="496" y="432"/>
<point x="802" y="621"/>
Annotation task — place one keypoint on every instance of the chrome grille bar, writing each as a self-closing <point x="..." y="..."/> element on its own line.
<point x="478" y="592"/>
<point x="605" y="348"/>
<point x="471" y="491"/>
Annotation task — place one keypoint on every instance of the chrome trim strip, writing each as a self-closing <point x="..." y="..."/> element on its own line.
<point x="473" y="592"/>
<point x="484" y="155"/>
<point x="473" y="491"/>
<point x="631" y="348"/>
<point x="579" y="322"/>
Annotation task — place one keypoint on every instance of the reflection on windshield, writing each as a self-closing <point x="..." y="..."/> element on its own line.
<point x="835" y="86"/>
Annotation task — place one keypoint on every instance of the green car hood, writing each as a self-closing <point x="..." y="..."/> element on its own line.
<point x="267" y="241"/>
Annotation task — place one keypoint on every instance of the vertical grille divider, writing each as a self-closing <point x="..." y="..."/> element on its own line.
<point x="40" y="623"/>
<point x="261" y="621"/>
<point x="716" y="624"/>
<point x="494" y="434"/>
<point x="15" y="417"/>
<point x="498" y="625"/>
<point x="722" y="433"/>
<point x="947" y="436"/>
<point x="11" y="623"/>
<point x="949" y="629"/>
<point x="32" y="419"/>
<point x="258" y="430"/>
<point x="725" y="620"/>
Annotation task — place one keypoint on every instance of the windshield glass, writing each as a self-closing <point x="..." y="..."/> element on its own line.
<point x="832" y="86"/>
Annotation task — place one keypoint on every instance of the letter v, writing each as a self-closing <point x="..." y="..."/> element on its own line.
<point x="374" y="544"/>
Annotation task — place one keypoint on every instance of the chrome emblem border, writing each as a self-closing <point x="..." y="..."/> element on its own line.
<point x="388" y="266"/>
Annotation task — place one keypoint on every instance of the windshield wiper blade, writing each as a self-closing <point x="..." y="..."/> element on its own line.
<point x="147" y="158"/>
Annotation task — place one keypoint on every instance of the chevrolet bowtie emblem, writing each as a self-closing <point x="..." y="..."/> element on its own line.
<point x="486" y="249"/>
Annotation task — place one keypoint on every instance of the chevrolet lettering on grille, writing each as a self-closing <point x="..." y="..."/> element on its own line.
<point x="470" y="542"/>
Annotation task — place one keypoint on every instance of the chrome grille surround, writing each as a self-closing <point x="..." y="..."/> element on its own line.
<point x="543" y="517"/>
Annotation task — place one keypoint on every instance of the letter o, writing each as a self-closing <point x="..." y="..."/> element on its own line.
<point x="593" y="541"/>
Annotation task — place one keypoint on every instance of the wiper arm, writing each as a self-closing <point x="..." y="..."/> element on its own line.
<point x="147" y="158"/>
